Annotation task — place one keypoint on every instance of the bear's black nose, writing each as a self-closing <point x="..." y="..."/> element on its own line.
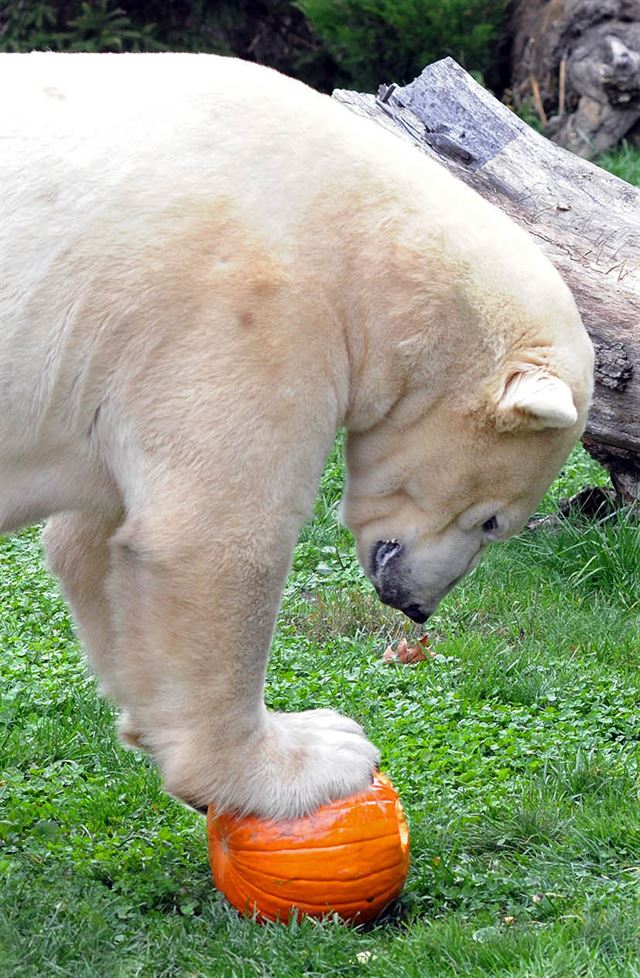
<point x="415" y="613"/>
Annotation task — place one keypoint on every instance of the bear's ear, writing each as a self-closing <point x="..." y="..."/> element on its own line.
<point x="533" y="398"/>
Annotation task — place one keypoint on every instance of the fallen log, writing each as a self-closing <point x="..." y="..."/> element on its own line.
<point x="586" y="220"/>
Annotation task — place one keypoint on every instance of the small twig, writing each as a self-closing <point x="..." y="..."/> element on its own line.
<point x="385" y="92"/>
<point x="562" y="86"/>
<point x="537" y="100"/>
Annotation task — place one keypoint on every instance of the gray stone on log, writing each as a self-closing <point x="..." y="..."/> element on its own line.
<point x="478" y="129"/>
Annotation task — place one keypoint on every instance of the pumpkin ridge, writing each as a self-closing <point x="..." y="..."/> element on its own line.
<point x="379" y="803"/>
<point x="334" y="882"/>
<point x="307" y="848"/>
<point x="304" y="907"/>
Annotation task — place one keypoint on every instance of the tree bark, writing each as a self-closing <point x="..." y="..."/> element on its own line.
<point x="578" y="62"/>
<point x="586" y="220"/>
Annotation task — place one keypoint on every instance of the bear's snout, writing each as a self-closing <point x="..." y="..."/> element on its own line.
<point x="388" y="572"/>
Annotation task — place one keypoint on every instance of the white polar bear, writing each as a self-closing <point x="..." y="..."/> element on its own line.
<point x="207" y="268"/>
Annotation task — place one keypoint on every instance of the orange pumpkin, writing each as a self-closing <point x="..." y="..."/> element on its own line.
<point x="350" y="857"/>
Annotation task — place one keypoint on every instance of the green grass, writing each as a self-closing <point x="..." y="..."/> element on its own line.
<point x="623" y="161"/>
<point x="516" y="752"/>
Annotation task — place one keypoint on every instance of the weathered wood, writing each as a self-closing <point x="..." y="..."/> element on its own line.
<point x="586" y="220"/>
<point x="580" y="61"/>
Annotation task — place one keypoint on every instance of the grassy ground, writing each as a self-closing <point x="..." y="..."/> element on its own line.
<point x="624" y="162"/>
<point x="516" y="752"/>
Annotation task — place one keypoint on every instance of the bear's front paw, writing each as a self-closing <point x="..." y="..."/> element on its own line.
<point x="304" y="760"/>
<point x="288" y="765"/>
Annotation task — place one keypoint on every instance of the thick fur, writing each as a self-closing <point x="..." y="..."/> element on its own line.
<point x="208" y="268"/>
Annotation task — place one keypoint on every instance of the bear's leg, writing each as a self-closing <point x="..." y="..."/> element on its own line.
<point x="77" y="552"/>
<point x="195" y="600"/>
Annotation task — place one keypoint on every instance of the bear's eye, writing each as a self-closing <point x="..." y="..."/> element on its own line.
<point x="490" y="525"/>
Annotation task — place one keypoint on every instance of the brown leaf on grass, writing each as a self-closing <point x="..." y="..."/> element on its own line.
<point x="409" y="654"/>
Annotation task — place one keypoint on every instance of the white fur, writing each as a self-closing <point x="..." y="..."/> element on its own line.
<point x="546" y="399"/>
<point x="207" y="268"/>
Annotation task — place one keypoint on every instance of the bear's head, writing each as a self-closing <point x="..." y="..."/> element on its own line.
<point x="459" y="463"/>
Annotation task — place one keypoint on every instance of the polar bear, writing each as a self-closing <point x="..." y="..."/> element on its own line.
<point x="207" y="269"/>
